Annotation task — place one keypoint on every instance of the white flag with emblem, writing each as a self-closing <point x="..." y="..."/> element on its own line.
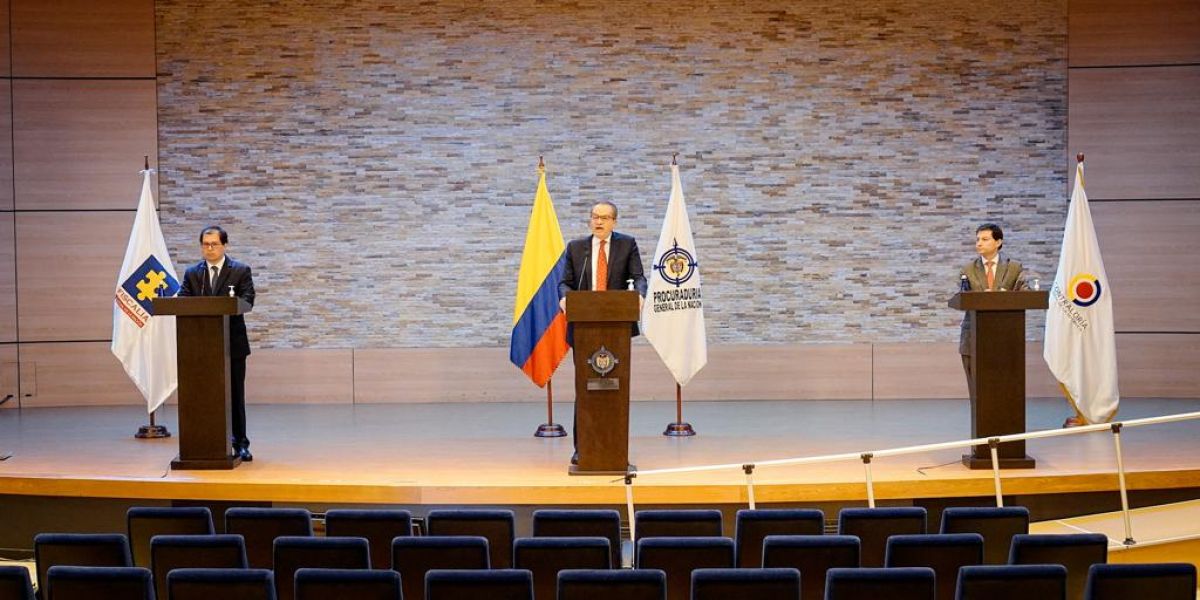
<point x="673" y="313"/>
<point x="145" y="344"/>
<point x="1080" y="345"/>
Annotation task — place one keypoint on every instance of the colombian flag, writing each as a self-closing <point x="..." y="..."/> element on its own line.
<point x="539" y="332"/>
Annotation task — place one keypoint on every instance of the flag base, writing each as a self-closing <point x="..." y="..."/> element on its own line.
<point x="146" y="432"/>
<point x="679" y="430"/>
<point x="550" y="430"/>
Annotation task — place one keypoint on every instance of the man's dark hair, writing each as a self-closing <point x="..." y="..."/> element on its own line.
<point x="997" y="233"/>
<point x="215" y="229"/>
<point x="607" y="203"/>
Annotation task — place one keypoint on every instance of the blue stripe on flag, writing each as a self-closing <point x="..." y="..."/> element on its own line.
<point x="538" y="315"/>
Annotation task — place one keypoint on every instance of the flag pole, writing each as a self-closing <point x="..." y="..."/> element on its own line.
<point x="550" y="429"/>
<point x="679" y="428"/>
<point x="1077" y="419"/>
<point x="153" y="430"/>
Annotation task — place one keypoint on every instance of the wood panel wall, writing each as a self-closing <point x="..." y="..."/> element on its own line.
<point x="78" y="112"/>
<point x="1105" y="33"/>
<point x="8" y="279"/>
<point x="8" y="248"/>
<point x="83" y="38"/>
<point x="80" y="143"/>
<point x="1134" y="110"/>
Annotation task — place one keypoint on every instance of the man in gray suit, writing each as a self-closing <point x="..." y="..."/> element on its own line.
<point x="989" y="272"/>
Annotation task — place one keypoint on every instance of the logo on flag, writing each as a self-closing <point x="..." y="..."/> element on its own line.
<point x="1084" y="289"/>
<point x="148" y="281"/>
<point x="676" y="265"/>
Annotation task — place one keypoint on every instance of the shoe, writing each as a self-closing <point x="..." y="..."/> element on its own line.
<point x="1073" y="422"/>
<point x="575" y="458"/>
<point x="244" y="454"/>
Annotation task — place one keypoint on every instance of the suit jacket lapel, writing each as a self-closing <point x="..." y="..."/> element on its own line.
<point x="1002" y="274"/>
<point x="978" y="275"/>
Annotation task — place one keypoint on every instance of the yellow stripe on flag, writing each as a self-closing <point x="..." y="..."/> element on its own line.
<point x="543" y="246"/>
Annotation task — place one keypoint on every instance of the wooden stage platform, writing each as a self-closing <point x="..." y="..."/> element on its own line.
<point x="461" y="454"/>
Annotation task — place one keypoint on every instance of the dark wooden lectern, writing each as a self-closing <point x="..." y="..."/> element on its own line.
<point x="998" y="364"/>
<point x="603" y="321"/>
<point x="202" y="340"/>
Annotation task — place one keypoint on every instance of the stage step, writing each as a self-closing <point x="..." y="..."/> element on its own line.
<point x="1163" y="533"/>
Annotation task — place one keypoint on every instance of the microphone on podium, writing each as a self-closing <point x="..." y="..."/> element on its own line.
<point x="579" y="284"/>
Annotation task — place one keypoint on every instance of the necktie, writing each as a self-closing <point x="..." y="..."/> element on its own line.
<point x="602" y="269"/>
<point x="212" y="282"/>
<point x="991" y="274"/>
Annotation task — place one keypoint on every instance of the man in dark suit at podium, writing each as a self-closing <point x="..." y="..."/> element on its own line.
<point x="220" y="275"/>
<point x="988" y="272"/>
<point x="605" y="260"/>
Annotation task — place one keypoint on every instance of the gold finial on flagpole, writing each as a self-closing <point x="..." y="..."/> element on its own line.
<point x="1079" y="157"/>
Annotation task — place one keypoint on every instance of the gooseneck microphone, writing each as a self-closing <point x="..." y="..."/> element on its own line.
<point x="579" y="284"/>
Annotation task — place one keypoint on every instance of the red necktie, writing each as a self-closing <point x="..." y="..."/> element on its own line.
<point x="602" y="269"/>
<point x="991" y="274"/>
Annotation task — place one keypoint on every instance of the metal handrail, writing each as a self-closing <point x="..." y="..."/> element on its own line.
<point x="867" y="456"/>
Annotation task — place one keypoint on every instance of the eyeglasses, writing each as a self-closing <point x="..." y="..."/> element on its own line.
<point x="211" y="245"/>
<point x="603" y="218"/>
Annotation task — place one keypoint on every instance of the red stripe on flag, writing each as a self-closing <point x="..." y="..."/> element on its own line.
<point x="550" y="349"/>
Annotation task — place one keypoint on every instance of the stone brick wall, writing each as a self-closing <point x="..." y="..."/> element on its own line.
<point x="376" y="164"/>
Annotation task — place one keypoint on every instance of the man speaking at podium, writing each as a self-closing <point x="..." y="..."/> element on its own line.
<point x="605" y="260"/>
<point x="989" y="272"/>
<point x="220" y="275"/>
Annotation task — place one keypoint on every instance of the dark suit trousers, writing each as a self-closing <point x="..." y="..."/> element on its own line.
<point x="966" y="360"/>
<point x="237" y="400"/>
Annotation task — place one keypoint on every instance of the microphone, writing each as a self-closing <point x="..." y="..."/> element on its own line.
<point x="579" y="284"/>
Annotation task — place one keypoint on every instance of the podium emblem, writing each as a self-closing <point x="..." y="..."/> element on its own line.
<point x="603" y="361"/>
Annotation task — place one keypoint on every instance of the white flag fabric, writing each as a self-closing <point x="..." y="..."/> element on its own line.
<point x="1080" y="345"/>
<point x="673" y="314"/>
<point x="145" y="344"/>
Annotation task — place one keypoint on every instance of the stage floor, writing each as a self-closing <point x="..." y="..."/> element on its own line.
<point x="427" y="454"/>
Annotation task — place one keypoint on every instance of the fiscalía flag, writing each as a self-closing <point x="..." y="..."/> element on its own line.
<point x="145" y="344"/>
<point x="673" y="314"/>
<point x="539" y="330"/>
<point x="1080" y="345"/>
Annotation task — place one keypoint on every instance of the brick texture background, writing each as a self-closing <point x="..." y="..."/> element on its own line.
<point x="376" y="165"/>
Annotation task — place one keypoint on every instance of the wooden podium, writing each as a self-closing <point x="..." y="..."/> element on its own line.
<point x="998" y="365"/>
<point x="202" y="340"/>
<point x="603" y="325"/>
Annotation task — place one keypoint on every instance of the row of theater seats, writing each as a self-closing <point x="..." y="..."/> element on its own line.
<point x="1169" y="581"/>
<point x="675" y="541"/>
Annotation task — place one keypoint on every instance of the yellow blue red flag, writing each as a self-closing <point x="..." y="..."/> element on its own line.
<point x="539" y="330"/>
